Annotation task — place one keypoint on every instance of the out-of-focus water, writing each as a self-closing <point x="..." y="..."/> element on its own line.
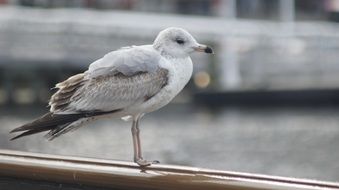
<point x="295" y="142"/>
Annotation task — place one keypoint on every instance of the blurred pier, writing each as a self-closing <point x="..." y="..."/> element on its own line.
<point x="277" y="98"/>
<point x="39" y="47"/>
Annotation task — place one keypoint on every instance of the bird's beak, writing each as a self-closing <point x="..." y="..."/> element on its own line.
<point x="203" y="48"/>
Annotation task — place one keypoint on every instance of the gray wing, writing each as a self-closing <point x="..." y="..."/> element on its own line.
<point x="130" y="78"/>
<point x="128" y="61"/>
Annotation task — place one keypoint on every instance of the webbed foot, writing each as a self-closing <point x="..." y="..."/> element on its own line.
<point x="143" y="163"/>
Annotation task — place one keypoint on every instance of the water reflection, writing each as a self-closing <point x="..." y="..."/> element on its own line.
<point x="295" y="142"/>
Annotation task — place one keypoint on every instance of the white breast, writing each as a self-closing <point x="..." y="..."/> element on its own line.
<point x="179" y="73"/>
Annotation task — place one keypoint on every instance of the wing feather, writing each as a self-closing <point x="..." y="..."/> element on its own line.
<point x="66" y="89"/>
<point x="116" y="81"/>
<point x="118" y="91"/>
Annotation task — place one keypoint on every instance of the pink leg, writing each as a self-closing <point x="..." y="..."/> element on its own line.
<point x="137" y="144"/>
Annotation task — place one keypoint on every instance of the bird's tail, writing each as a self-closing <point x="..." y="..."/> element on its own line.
<point x="55" y="123"/>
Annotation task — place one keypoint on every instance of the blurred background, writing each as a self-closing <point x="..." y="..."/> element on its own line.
<point x="266" y="101"/>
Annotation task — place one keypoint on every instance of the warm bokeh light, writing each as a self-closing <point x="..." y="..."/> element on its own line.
<point x="24" y="96"/>
<point x="202" y="79"/>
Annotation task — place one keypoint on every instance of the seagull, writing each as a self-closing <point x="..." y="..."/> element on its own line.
<point x="126" y="83"/>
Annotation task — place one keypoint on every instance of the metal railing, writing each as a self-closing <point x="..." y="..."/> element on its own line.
<point x="34" y="170"/>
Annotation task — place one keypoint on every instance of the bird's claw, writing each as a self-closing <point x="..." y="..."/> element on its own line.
<point x="144" y="163"/>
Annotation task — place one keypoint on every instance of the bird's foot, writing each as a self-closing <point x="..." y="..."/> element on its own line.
<point x="143" y="163"/>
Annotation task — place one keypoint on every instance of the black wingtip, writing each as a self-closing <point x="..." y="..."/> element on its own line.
<point x="38" y="123"/>
<point x="12" y="139"/>
<point x="15" y="130"/>
<point x="30" y="132"/>
<point x="18" y="136"/>
<point x="50" y="121"/>
<point x="21" y="128"/>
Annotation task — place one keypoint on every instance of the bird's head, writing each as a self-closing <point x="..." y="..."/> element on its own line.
<point x="177" y="42"/>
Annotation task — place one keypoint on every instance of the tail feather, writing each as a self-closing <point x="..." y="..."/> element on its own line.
<point x="56" y="132"/>
<point x="30" y="132"/>
<point x="60" y="130"/>
<point x="57" y="124"/>
<point x="48" y="120"/>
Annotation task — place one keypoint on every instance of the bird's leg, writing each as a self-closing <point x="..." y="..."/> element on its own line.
<point x="137" y="144"/>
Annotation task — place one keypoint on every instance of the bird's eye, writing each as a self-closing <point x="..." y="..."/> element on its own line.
<point x="180" y="41"/>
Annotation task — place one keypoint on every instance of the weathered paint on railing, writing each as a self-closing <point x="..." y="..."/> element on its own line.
<point x="33" y="168"/>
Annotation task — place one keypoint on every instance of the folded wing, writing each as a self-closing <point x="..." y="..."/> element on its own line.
<point x="120" y="79"/>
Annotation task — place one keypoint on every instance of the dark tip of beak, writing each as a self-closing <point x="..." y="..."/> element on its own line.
<point x="208" y="50"/>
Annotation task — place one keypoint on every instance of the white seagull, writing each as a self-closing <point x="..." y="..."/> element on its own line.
<point x="126" y="83"/>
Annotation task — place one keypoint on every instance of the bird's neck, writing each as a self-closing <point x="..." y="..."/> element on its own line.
<point x="168" y="54"/>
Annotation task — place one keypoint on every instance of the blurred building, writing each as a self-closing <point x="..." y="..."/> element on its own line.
<point x="260" y="44"/>
<point x="249" y="9"/>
